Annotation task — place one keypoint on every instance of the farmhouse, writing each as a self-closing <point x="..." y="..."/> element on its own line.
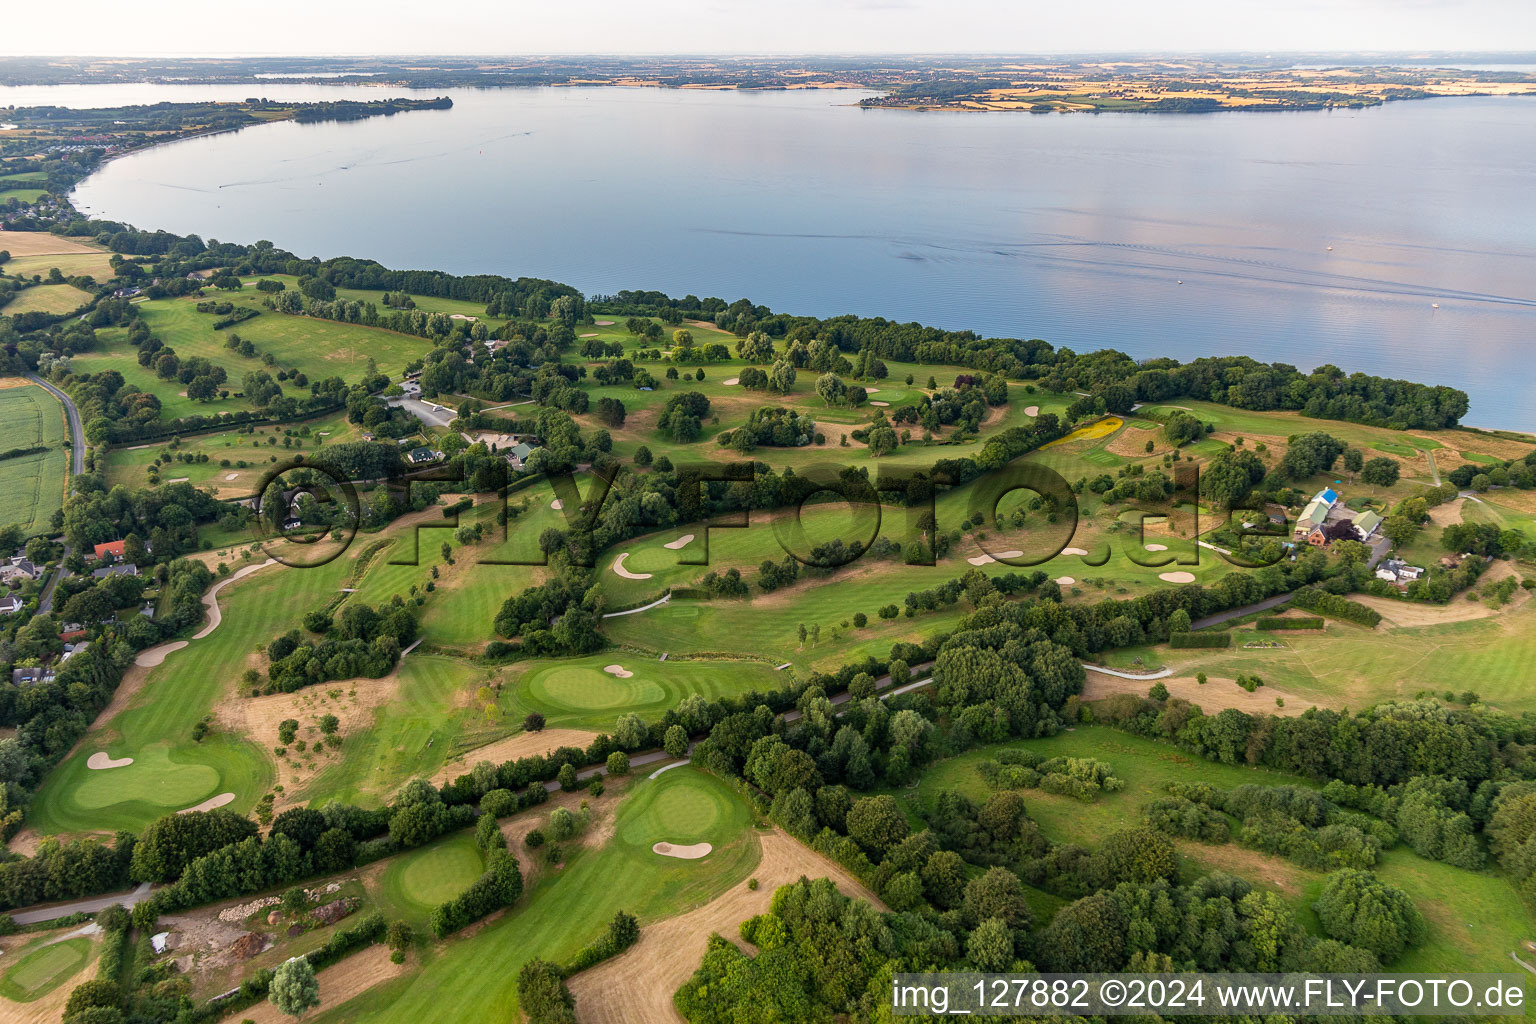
<point x="1311" y="520"/>
<point x="112" y="551"/>
<point x="17" y="570"/>
<point x="1398" y="572"/>
<point x="10" y="604"/>
<point x="1366" y="524"/>
<point x="27" y="675"/>
<point x="518" y="454"/>
<point x="423" y="456"/>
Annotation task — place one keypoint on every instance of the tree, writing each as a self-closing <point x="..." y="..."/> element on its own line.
<point x="877" y="824"/>
<point x="1229" y="476"/>
<point x="329" y="724"/>
<point x="1306" y="454"/>
<point x="1358" y="908"/>
<point x="618" y="763"/>
<point x="990" y="946"/>
<point x="1354" y="458"/>
<point x="294" y="990"/>
<point x="1139" y="855"/>
<point x="831" y="388"/>
<point x="1380" y="472"/>
<point x="756" y="347"/>
<point x="1178" y="621"/>
<point x="533" y="722"/>
<point x="781" y="377"/>
<point x="998" y="894"/>
<point x="676" y="741"/>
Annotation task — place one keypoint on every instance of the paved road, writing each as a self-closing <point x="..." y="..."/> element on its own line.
<point x="76" y="431"/>
<point x="91" y="906"/>
<point x="1237" y="613"/>
<point x="1160" y="674"/>
<point x="429" y="413"/>
<point x="76" y="467"/>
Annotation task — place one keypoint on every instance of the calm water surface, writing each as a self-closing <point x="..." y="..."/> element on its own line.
<point x="1309" y="238"/>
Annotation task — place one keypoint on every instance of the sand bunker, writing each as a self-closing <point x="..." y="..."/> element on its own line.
<point x="871" y="391"/>
<point x="733" y="381"/>
<point x="1157" y="547"/>
<point x="984" y="559"/>
<point x="155" y="655"/>
<point x="99" y="761"/>
<point x="178" y="480"/>
<point x="603" y="323"/>
<point x="618" y="670"/>
<point x="1033" y="410"/>
<point x="693" y="852"/>
<point x="1074" y="551"/>
<point x="1065" y="581"/>
<point x="618" y="567"/>
<point x="882" y="405"/>
<point x="680" y="543"/>
<point x="591" y="335"/>
<point x="556" y="505"/>
<point x="231" y="476"/>
<point x="210" y="803"/>
<point x="1176" y="577"/>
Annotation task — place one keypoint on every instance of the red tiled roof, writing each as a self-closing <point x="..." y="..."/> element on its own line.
<point x="114" y="548"/>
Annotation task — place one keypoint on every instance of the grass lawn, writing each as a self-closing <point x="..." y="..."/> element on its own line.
<point x="318" y="348"/>
<point x="566" y="909"/>
<point x="1475" y="917"/>
<point x="130" y="466"/>
<point x="156" y="727"/>
<point x="416" y="882"/>
<point x="433" y="719"/>
<point x="44" y="969"/>
<point x="577" y="693"/>
<point x="114" y="353"/>
<point x="47" y="298"/>
<point x="1350" y="666"/>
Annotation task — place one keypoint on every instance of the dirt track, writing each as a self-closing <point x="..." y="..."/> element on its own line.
<point x="1217" y="694"/>
<point x="637" y="987"/>
<point x="338" y="983"/>
<point x="524" y="744"/>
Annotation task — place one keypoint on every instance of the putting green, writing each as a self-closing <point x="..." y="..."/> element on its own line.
<point x="683" y="806"/>
<point x="582" y="688"/>
<point x="152" y="778"/>
<point x="436" y="873"/>
<point x="45" y="969"/>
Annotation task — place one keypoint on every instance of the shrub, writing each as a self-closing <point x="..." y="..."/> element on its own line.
<point x="1275" y="622"/>
<point x="542" y="994"/>
<point x="1185" y="641"/>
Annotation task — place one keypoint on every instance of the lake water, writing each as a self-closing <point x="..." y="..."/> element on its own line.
<point x="1309" y="238"/>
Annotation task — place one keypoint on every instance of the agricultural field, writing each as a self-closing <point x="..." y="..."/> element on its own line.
<point x="47" y="298"/>
<point x="73" y="264"/>
<point x="31" y="485"/>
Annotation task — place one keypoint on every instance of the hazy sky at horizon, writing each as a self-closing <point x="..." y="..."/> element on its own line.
<point x="278" y="27"/>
